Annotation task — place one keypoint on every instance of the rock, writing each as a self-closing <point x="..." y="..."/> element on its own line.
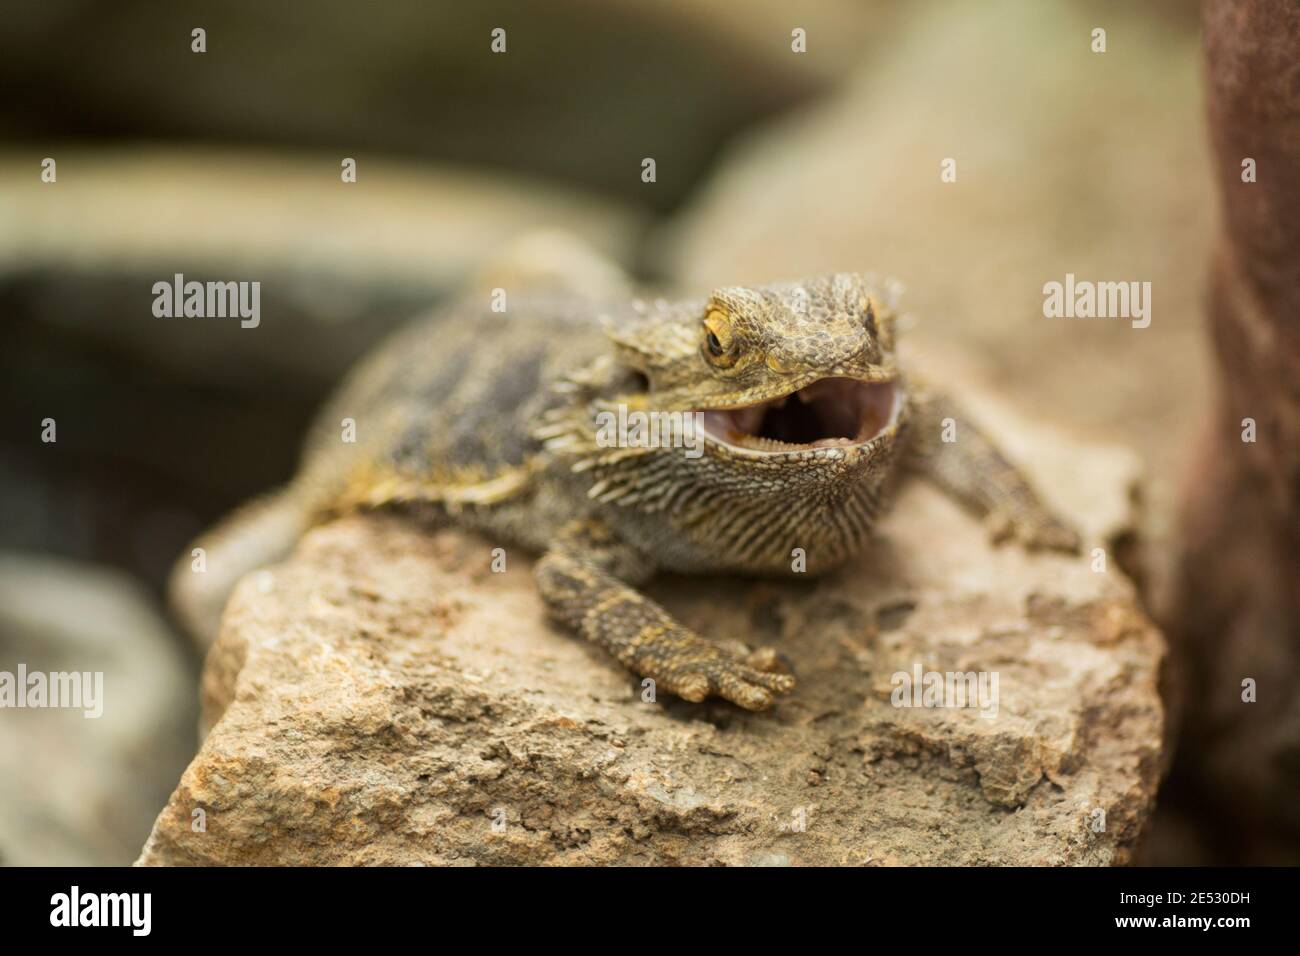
<point x="78" y="791"/>
<point x="581" y="93"/>
<point x="1234" y="615"/>
<point x="383" y="698"/>
<point x="338" y="264"/>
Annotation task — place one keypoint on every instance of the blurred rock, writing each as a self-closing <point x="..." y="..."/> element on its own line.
<point x="338" y="263"/>
<point x="382" y="698"/>
<point x="1235" y="615"/>
<point x="76" y="791"/>
<point x="583" y="92"/>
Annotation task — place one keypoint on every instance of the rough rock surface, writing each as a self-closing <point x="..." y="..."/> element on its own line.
<point x="384" y="698"/>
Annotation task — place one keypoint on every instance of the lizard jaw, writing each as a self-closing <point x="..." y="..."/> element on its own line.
<point x="835" y="412"/>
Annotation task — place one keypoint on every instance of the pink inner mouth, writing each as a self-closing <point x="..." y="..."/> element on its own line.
<point x="831" y="412"/>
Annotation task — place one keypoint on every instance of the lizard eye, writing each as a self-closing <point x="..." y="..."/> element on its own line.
<point x="719" y="344"/>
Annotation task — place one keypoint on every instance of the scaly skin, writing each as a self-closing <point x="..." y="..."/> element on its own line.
<point x="490" y="421"/>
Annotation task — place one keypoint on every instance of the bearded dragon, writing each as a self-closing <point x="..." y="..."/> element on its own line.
<point x="491" y="420"/>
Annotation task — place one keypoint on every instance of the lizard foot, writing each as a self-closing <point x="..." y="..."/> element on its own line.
<point x="694" y="669"/>
<point x="1037" y="531"/>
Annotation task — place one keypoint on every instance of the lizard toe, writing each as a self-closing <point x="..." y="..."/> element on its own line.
<point x="747" y="687"/>
<point x="692" y="687"/>
<point x="745" y="694"/>
<point x="781" y="683"/>
<point x="729" y="679"/>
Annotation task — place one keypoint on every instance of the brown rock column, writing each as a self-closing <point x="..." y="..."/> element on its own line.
<point x="1236" y="608"/>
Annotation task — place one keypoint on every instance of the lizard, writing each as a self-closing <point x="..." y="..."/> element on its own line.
<point x="490" y="420"/>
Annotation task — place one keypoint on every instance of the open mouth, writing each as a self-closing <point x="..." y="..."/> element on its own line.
<point x="829" y="413"/>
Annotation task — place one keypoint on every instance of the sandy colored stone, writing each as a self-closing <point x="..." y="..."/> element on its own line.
<point x="259" y="213"/>
<point x="382" y="697"/>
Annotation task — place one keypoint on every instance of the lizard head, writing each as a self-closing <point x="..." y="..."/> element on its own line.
<point x="801" y="370"/>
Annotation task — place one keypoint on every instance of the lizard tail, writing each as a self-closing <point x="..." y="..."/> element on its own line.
<point x="259" y="533"/>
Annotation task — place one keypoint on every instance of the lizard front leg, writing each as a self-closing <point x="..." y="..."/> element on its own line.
<point x="972" y="469"/>
<point x="587" y="580"/>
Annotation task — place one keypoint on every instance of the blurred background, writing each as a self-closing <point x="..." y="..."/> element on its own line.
<point x="770" y="165"/>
